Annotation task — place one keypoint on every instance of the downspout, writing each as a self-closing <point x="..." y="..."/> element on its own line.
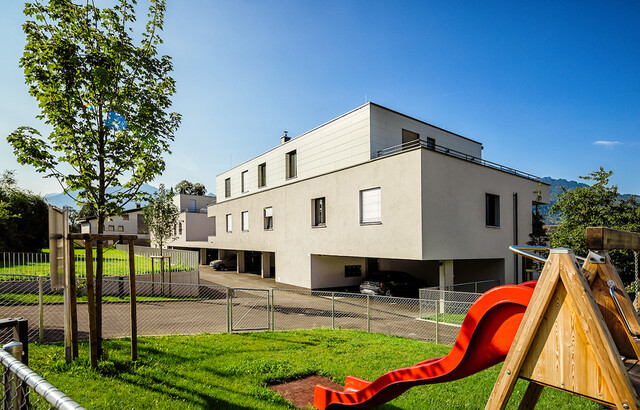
<point x="515" y="236"/>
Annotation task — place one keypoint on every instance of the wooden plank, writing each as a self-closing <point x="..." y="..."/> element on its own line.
<point x="91" y="306"/>
<point x="531" y="396"/>
<point x="526" y="332"/>
<point x="132" y="303"/>
<point x="597" y="334"/>
<point x="72" y="299"/>
<point x="601" y="238"/>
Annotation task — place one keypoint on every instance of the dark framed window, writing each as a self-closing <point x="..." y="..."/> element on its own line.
<point x="409" y="139"/>
<point x="125" y="217"/>
<point x="370" y="206"/>
<point x="120" y="228"/>
<point x="431" y="143"/>
<point x="291" y="164"/>
<point x="492" y="204"/>
<point x="319" y="212"/>
<point x="227" y="187"/>
<point x="245" y="221"/>
<point x="352" y="271"/>
<point x="268" y="218"/>
<point x="243" y="181"/>
<point x="229" y="223"/>
<point x="262" y="175"/>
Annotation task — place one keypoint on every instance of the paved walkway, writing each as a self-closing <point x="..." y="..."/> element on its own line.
<point x="240" y="280"/>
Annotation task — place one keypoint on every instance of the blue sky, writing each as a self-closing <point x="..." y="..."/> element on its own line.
<point x="549" y="87"/>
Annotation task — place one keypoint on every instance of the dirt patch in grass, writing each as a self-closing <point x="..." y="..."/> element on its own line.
<point x="300" y="392"/>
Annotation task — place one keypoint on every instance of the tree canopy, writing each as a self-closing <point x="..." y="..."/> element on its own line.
<point x="190" y="188"/>
<point x="23" y="218"/>
<point x="106" y="98"/>
<point x="161" y="216"/>
<point x="596" y="205"/>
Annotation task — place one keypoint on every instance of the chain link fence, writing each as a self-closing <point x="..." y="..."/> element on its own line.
<point x="178" y="308"/>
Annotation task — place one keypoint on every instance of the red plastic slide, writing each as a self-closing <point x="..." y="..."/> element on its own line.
<point x="484" y="340"/>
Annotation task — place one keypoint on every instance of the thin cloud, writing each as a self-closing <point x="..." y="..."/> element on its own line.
<point x="608" y="144"/>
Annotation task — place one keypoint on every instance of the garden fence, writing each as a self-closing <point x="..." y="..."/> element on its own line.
<point x="177" y="308"/>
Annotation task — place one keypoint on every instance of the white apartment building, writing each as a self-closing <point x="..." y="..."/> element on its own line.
<point x="130" y="222"/>
<point x="374" y="190"/>
<point x="194" y="228"/>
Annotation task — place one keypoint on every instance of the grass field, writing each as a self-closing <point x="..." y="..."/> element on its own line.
<point x="233" y="371"/>
<point x="453" y="318"/>
<point x="115" y="263"/>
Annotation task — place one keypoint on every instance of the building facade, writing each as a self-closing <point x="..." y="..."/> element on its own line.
<point x="374" y="190"/>
<point x="130" y="222"/>
<point x="194" y="228"/>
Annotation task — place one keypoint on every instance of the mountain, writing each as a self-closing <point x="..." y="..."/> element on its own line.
<point x="555" y="190"/>
<point x="61" y="200"/>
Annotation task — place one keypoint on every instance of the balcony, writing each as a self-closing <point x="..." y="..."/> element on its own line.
<point x="453" y="153"/>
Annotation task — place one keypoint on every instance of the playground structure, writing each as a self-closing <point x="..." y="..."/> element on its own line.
<point x="575" y="330"/>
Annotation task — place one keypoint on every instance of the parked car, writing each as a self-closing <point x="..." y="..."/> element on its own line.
<point x="391" y="283"/>
<point x="228" y="262"/>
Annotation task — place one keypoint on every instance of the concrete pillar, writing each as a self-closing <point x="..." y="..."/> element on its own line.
<point x="203" y="256"/>
<point x="446" y="273"/>
<point x="266" y="264"/>
<point x="240" y="256"/>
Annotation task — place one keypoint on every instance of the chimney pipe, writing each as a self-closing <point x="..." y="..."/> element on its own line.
<point x="284" y="138"/>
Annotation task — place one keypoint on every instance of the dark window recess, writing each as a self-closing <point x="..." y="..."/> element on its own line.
<point x="409" y="139"/>
<point x="262" y="175"/>
<point x="352" y="271"/>
<point x="431" y="143"/>
<point x="492" y="210"/>
<point x="319" y="212"/>
<point x="291" y="164"/>
<point x="227" y="187"/>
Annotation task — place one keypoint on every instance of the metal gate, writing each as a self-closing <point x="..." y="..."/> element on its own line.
<point x="249" y="309"/>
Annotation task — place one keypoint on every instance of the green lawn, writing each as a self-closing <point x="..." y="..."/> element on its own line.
<point x="232" y="371"/>
<point x="24" y="298"/>
<point x="116" y="263"/>
<point x="453" y="318"/>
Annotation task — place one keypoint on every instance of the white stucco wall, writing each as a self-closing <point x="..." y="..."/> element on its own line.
<point x="183" y="202"/>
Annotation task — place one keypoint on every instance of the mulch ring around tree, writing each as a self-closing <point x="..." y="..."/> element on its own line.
<point x="300" y="392"/>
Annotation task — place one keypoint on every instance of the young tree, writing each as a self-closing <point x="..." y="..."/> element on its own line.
<point x="186" y="187"/>
<point x="106" y="99"/>
<point x="161" y="215"/>
<point x="596" y="205"/>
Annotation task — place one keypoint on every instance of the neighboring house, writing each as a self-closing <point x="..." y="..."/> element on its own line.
<point x="194" y="228"/>
<point x="130" y="223"/>
<point x="374" y="190"/>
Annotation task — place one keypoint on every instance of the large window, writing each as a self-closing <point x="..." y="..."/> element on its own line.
<point x="268" y="218"/>
<point x="319" y="209"/>
<point x="370" y="206"/>
<point x="431" y="143"/>
<point x="192" y="205"/>
<point x="179" y="228"/>
<point x="227" y="187"/>
<point x="262" y="175"/>
<point x="409" y="139"/>
<point x="291" y="164"/>
<point x="492" y="210"/>
<point x="243" y="181"/>
<point x="229" y="221"/>
<point x="245" y="221"/>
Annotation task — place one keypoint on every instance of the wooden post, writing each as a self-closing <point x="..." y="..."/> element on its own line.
<point x="132" y="302"/>
<point x="73" y="293"/>
<point x="93" y="334"/>
<point x="99" y="273"/>
<point x="68" y="314"/>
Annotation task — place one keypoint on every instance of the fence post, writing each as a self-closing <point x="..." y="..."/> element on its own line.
<point x="333" y="311"/>
<point x="273" y="304"/>
<point x="41" y="308"/>
<point x="368" y="314"/>
<point x="476" y="287"/>
<point x="437" y="320"/>
<point x="228" y="310"/>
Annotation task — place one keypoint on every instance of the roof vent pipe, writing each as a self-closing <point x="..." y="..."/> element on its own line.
<point x="284" y="138"/>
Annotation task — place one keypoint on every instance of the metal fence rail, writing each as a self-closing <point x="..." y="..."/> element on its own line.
<point x="20" y="383"/>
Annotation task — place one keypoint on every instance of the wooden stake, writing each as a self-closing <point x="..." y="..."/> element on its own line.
<point x="99" y="273"/>
<point x="93" y="336"/>
<point x="73" y="289"/>
<point x="132" y="302"/>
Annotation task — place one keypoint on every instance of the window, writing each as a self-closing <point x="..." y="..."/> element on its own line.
<point x="352" y="271"/>
<point x="291" y="166"/>
<point x="492" y="210"/>
<point x="409" y="139"/>
<point x="214" y="226"/>
<point x="268" y="218"/>
<point x="243" y="181"/>
<point x="431" y="143"/>
<point x="175" y="229"/>
<point x="192" y="205"/>
<point x="319" y="217"/>
<point x="229" y="223"/>
<point x="262" y="175"/>
<point x="179" y="228"/>
<point x="245" y="221"/>
<point x="125" y="217"/>
<point x="110" y="228"/>
<point x="227" y="187"/>
<point x="120" y="228"/>
<point x="370" y="206"/>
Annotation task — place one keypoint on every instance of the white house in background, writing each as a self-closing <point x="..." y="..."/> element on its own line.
<point x="194" y="228"/>
<point x="374" y="189"/>
<point x="130" y="223"/>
